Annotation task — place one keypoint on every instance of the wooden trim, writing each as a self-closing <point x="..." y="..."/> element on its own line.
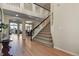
<point x="41" y="6"/>
<point x="66" y="51"/>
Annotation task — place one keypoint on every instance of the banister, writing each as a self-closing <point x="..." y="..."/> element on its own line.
<point x="40" y="23"/>
<point x="41" y="6"/>
<point x="38" y="26"/>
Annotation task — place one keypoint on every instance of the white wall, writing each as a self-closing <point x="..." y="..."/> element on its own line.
<point x="66" y="27"/>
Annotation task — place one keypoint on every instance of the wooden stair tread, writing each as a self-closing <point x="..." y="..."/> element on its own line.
<point x="48" y="36"/>
<point x="48" y="33"/>
<point x="44" y="38"/>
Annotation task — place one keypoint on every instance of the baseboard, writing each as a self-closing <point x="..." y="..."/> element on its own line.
<point x="74" y="54"/>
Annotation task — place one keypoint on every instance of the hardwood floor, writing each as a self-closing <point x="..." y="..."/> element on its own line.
<point x="25" y="47"/>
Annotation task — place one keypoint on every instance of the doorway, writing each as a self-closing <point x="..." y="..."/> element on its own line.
<point x="13" y="28"/>
<point x="28" y="28"/>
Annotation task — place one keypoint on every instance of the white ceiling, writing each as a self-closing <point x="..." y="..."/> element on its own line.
<point x="20" y="16"/>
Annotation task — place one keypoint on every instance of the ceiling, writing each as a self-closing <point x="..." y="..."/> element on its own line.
<point x="20" y="16"/>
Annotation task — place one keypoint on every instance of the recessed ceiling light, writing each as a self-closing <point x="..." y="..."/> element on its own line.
<point x="28" y="21"/>
<point x="17" y="15"/>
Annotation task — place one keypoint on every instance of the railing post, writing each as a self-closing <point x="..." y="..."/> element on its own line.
<point x="31" y="34"/>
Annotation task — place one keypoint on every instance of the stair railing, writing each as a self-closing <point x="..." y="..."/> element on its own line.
<point x="39" y="27"/>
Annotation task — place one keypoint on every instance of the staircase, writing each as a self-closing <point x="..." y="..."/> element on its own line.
<point x="44" y="36"/>
<point x="41" y="33"/>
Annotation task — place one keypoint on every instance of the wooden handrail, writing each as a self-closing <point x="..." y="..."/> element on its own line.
<point x="37" y="26"/>
<point x="40" y="23"/>
<point x="41" y="6"/>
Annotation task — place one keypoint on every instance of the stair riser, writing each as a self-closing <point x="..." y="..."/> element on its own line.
<point x="44" y="38"/>
<point x="46" y="44"/>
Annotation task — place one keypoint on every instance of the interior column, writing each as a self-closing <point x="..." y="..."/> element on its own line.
<point x="18" y="30"/>
<point x="23" y="30"/>
<point x="5" y="32"/>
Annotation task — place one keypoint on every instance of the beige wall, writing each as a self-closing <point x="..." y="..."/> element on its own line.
<point x="65" y="27"/>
